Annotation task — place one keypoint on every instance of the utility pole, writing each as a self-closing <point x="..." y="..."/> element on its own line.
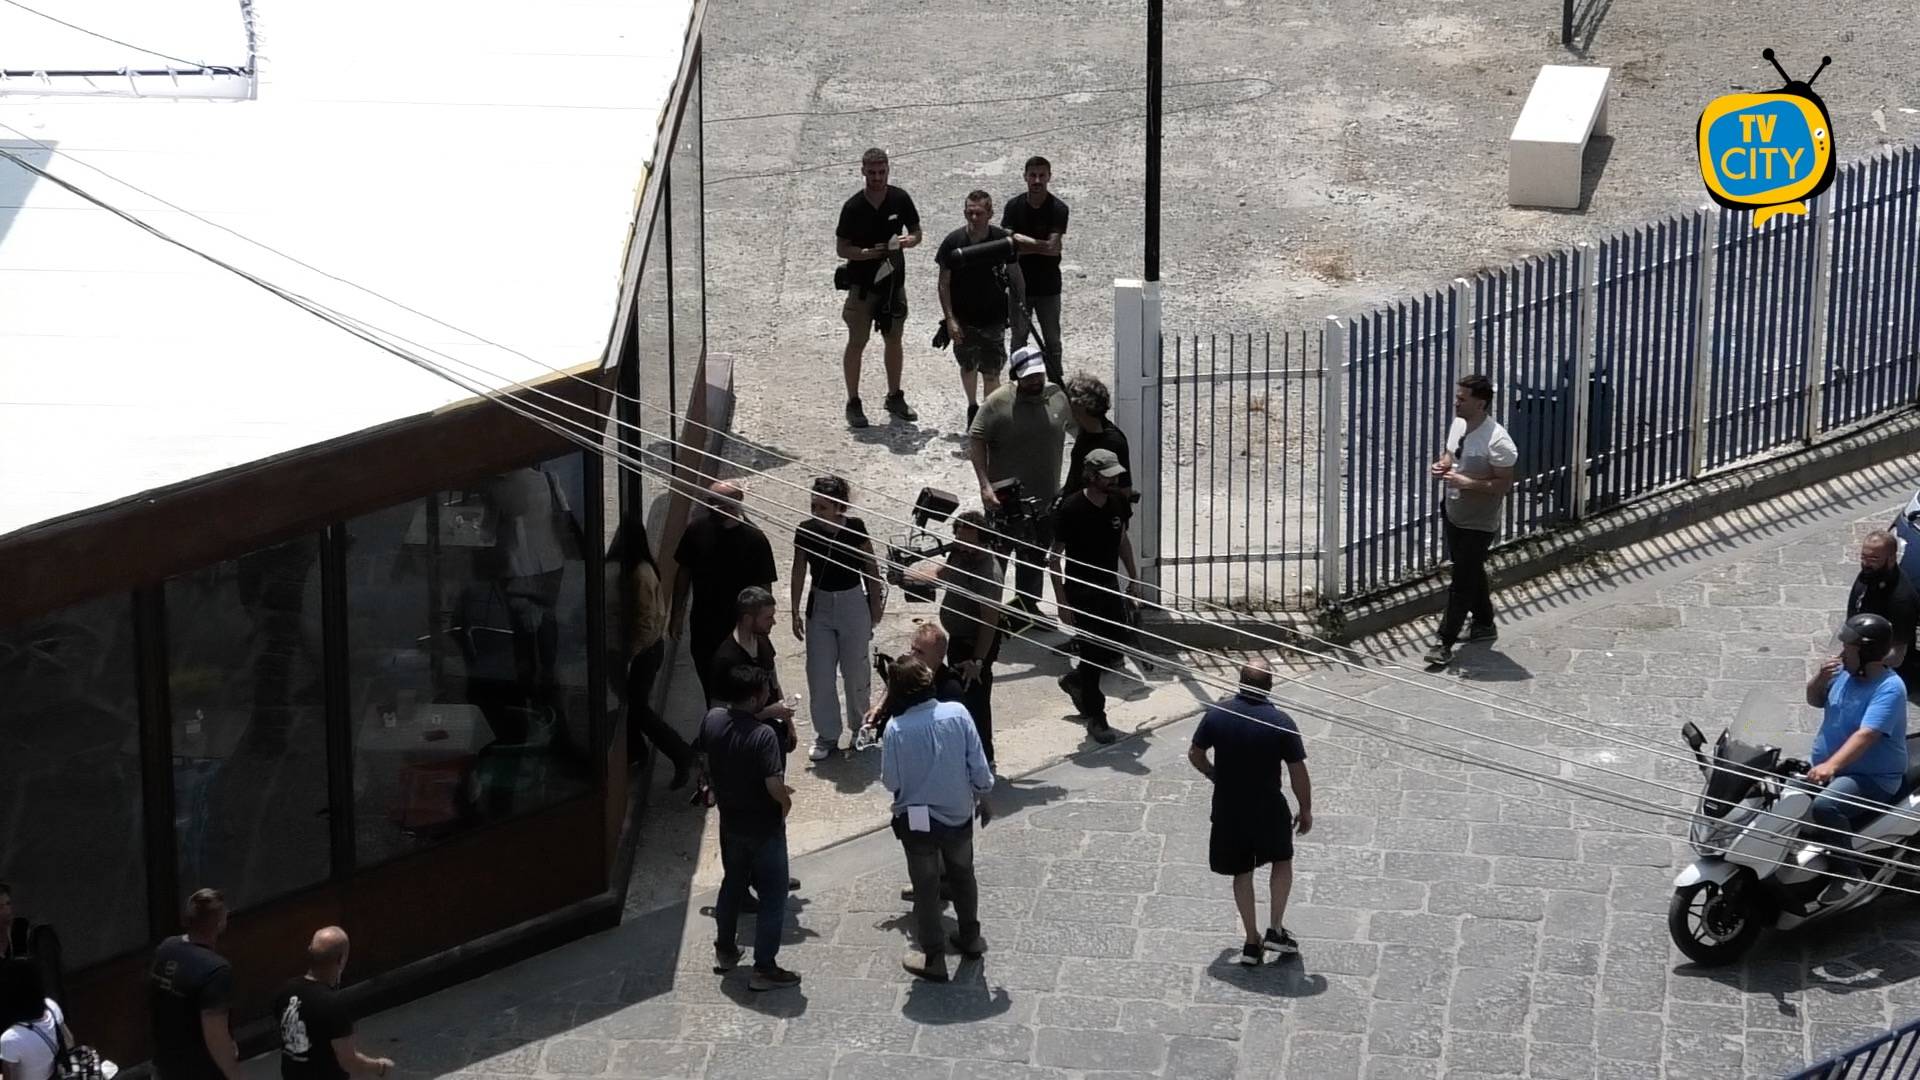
<point x="1153" y="140"/>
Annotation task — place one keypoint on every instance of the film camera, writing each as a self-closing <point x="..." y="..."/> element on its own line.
<point x="907" y="548"/>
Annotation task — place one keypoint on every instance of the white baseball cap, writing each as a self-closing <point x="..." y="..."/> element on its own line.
<point x="1027" y="361"/>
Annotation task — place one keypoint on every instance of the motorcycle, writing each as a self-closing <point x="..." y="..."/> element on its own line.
<point x="1762" y="863"/>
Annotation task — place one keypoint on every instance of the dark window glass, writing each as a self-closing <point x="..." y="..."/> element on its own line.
<point x="467" y="657"/>
<point x="689" y="246"/>
<point x="75" y="853"/>
<point x="249" y="726"/>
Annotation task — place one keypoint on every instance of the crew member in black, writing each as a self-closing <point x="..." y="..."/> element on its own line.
<point x="1090" y="530"/>
<point x="189" y="990"/>
<point x="750" y="643"/>
<point x="929" y="646"/>
<point x="1040" y="214"/>
<point x="719" y="555"/>
<point x="973" y="298"/>
<point x="970" y="613"/>
<point x="1090" y="401"/>
<point x="876" y="227"/>
<point x="316" y="1027"/>
<point x="1882" y="589"/>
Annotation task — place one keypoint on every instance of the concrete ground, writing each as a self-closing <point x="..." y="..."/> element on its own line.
<point x="1455" y="920"/>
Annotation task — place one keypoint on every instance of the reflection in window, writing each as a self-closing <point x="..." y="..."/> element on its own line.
<point x="689" y="244"/>
<point x="467" y="642"/>
<point x="249" y="725"/>
<point x="74" y="854"/>
<point x="655" y="352"/>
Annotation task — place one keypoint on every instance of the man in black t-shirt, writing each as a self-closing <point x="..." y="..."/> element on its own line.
<point x="876" y="227"/>
<point x="1090" y="537"/>
<point x="1882" y="589"/>
<point x="189" y="990"/>
<point x="1040" y="214"/>
<point x="1090" y="401"/>
<point x="1253" y="744"/>
<point x="741" y="760"/>
<point x="974" y="297"/>
<point x="316" y="1029"/>
<point x="718" y="555"/>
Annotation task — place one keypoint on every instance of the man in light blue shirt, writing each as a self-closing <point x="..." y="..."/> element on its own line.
<point x="932" y="762"/>
<point x="1860" y="753"/>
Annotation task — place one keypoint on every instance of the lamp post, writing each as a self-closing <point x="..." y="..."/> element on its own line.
<point x="1153" y="140"/>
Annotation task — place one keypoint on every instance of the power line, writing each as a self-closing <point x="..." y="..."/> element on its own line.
<point x="123" y="44"/>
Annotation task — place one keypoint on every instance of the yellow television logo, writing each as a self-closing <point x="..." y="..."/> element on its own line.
<point x="1768" y="153"/>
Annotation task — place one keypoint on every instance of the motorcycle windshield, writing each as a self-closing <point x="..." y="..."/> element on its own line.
<point x="1749" y="746"/>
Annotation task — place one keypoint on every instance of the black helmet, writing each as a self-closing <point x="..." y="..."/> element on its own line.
<point x="1873" y="634"/>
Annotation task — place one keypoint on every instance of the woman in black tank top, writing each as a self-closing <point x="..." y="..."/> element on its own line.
<point x="835" y="618"/>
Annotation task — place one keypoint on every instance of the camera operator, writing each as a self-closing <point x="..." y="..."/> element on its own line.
<point x="1090" y="530"/>
<point x="970" y="613"/>
<point x="973" y="297"/>
<point x="1090" y="401"/>
<point x="877" y="224"/>
<point x="929" y="646"/>
<point x="1019" y="435"/>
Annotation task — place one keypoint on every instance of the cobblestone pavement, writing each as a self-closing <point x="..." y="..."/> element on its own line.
<point x="1456" y="921"/>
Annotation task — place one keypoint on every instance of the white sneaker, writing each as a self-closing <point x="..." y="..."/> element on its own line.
<point x="821" y="752"/>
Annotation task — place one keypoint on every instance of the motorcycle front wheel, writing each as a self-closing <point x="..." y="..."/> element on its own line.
<point x="1716" y="925"/>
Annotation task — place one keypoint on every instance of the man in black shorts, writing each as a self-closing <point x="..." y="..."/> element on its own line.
<point x="973" y="298"/>
<point x="1251" y="742"/>
<point x="876" y="227"/>
<point x="1040" y="214"/>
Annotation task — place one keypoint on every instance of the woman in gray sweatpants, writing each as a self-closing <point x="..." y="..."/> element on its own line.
<point x="836" y="618"/>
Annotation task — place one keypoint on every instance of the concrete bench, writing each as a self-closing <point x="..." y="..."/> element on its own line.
<point x="1566" y="107"/>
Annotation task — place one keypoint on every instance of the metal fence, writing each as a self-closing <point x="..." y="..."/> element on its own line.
<point x="1893" y="1056"/>
<point x="1238" y="466"/>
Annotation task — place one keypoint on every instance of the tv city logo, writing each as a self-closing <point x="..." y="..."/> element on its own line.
<point x="1770" y="152"/>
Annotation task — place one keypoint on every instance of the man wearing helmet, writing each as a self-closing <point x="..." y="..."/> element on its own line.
<point x="1860" y="752"/>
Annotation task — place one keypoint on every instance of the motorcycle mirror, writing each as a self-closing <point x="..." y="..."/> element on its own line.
<point x="1691" y="732"/>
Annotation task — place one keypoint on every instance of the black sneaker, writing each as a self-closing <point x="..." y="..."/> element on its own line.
<point x="1439" y="656"/>
<point x="1250" y="956"/>
<point x="856" y="416"/>
<point x="1281" y="942"/>
<point x="773" y="977"/>
<point x="793" y="884"/>
<point x="1100" y="731"/>
<point x="725" y="959"/>
<point x="976" y="947"/>
<point x="897" y="405"/>
<point x="1072" y="689"/>
<point x="1483" y="632"/>
<point x="929" y="966"/>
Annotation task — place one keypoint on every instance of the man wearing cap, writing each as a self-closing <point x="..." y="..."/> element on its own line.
<point x="1090" y="537"/>
<point x="1019" y="435"/>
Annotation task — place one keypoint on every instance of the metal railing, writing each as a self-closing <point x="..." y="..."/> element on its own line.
<point x="1893" y="1056"/>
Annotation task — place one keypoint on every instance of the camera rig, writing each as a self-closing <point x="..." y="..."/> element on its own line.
<point x="905" y="549"/>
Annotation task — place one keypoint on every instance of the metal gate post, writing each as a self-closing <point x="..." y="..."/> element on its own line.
<point x="1586" y="338"/>
<point x="1136" y="410"/>
<point x="1822" y="225"/>
<point x="1333" y="350"/>
<point x="1466" y="355"/>
<point x="1703" y="338"/>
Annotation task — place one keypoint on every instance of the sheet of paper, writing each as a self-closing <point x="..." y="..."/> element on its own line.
<point x="917" y="820"/>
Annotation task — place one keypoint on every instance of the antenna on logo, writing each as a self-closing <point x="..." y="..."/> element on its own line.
<point x="1793" y="86"/>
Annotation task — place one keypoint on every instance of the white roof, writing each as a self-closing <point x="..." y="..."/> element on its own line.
<point x="477" y="160"/>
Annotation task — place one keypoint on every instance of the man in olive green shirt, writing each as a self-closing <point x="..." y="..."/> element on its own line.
<point x="1020" y="434"/>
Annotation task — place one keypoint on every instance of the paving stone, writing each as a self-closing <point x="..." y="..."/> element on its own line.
<point x="1076" y="939"/>
<point x="986" y="1042"/>
<point x="1395" y="1068"/>
<point x="881" y="1032"/>
<point x="1574" y="915"/>
<point x="1633" y="985"/>
<point x="577" y="1057"/>
<point x="1137" y="847"/>
<point x="1113" y="909"/>
<point x="1345" y="957"/>
<point x="1413" y="928"/>
<point x="659" y="1058"/>
<point x="1488" y="999"/>
<point x="1420" y="835"/>
<point x="1128" y="980"/>
<point x="1056" y="1010"/>
<point x="1628" y="1036"/>
<point x="1371" y="894"/>
<point x="1109" y="1050"/>
<point x="859" y="1065"/>
<point x="1694" y="1016"/>
<point x="1486" y="901"/>
<point x="1198" y="881"/>
<point x="1340" y="1006"/>
<point x="1428" y="866"/>
<point x="1450" y="806"/>
<point x="1702" y="1053"/>
<point x="1498" y="943"/>
<point x="1485" y="1052"/>
<point x="770" y="1063"/>
<point x="505" y="1057"/>
<point x="1203" y="1021"/>
<point x="1202" y="1059"/>
<point x="1774" y="1053"/>
<point x="1414" y="974"/>
<point x="1324" y="1056"/>
<point x="1406" y="1030"/>
<point x="995" y="1070"/>
<point x="1548" y="1061"/>
<point x="1560" y="874"/>
<point x="1557" y="989"/>
<point x="1562" y="1024"/>
<point x="1088" y="875"/>
<point x="1626" y="850"/>
<point x="1118" y="817"/>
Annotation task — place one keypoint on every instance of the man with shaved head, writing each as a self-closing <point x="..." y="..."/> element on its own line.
<point x="1253" y="744"/>
<point x="719" y="555"/>
<point x="1881" y="589"/>
<point x="316" y="1030"/>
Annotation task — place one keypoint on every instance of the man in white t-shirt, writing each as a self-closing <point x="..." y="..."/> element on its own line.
<point x="1477" y="469"/>
<point x="28" y="1048"/>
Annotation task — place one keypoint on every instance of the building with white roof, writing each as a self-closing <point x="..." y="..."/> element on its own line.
<point x="289" y="614"/>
